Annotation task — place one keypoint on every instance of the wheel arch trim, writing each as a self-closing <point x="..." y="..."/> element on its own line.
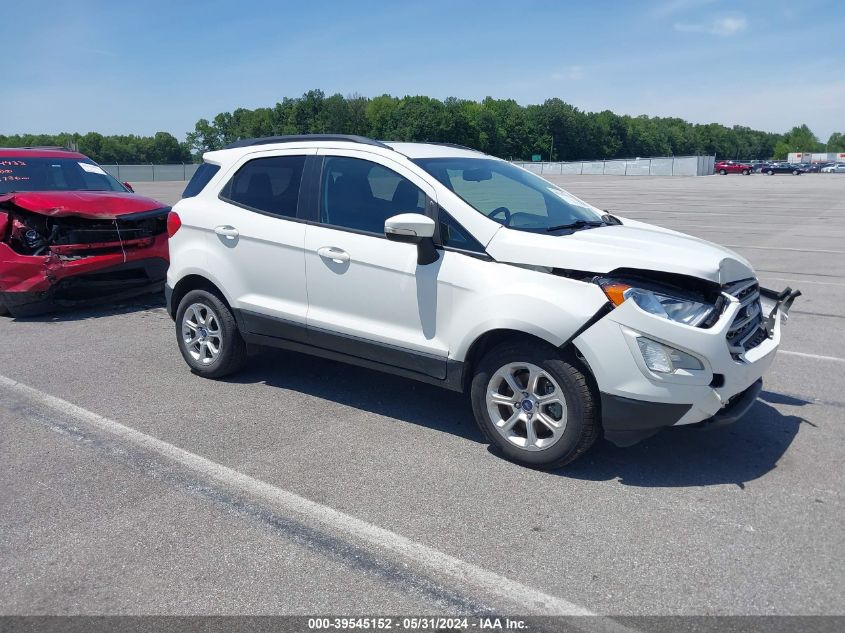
<point x="193" y="280"/>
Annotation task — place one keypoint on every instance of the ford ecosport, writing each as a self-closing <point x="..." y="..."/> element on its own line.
<point x="440" y="263"/>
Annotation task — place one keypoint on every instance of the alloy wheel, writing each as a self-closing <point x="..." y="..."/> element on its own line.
<point x="527" y="406"/>
<point x="201" y="333"/>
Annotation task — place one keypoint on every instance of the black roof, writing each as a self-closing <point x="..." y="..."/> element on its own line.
<point x="298" y="138"/>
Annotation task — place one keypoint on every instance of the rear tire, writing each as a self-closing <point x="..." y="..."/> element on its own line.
<point x="722" y="172"/>
<point x="795" y="172"/>
<point x="770" y="172"/>
<point x="559" y="423"/>
<point x="208" y="335"/>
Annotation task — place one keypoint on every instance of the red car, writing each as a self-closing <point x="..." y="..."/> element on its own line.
<point x="732" y="167"/>
<point x="70" y="233"/>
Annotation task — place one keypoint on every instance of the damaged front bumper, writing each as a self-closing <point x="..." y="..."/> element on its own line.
<point x="47" y="264"/>
<point x="103" y="284"/>
<point x="637" y="402"/>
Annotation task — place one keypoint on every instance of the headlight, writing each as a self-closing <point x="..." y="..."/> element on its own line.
<point x="684" y="311"/>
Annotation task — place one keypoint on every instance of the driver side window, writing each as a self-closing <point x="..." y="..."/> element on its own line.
<point x="360" y="195"/>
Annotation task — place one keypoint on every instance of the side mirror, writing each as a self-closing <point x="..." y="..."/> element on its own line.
<point x="408" y="227"/>
<point x="128" y="186"/>
<point x="413" y="228"/>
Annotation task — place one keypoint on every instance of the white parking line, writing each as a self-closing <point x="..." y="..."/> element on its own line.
<point x="786" y="248"/>
<point x="460" y="572"/>
<point x="803" y="281"/>
<point x="835" y="359"/>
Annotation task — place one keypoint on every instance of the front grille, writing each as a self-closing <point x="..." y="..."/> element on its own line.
<point x="747" y="330"/>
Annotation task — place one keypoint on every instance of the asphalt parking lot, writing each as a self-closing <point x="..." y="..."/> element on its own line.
<point x="304" y="486"/>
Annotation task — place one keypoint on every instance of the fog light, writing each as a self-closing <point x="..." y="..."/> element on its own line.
<point x="664" y="359"/>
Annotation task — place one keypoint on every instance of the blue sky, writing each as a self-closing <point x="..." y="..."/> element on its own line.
<point x="140" y="67"/>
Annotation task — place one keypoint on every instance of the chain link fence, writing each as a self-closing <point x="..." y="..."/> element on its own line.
<point x="659" y="166"/>
<point x="151" y="173"/>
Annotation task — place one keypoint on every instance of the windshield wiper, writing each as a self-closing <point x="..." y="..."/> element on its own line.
<point x="578" y="224"/>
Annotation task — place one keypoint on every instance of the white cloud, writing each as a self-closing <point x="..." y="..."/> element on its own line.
<point x="571" y="73"/>
<point x="723" y="27"/>
<point x="671" y="7"/>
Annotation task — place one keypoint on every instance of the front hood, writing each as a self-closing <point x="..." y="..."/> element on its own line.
<point x="86" y="204"/>
<point x="631" y="245"/>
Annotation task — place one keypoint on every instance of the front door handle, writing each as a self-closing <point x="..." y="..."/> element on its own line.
<point x="226" y="231"/>
<point x="333" y="253"/>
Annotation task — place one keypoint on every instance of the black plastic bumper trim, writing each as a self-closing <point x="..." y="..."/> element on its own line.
<point x="168" y="301"/>
<point x="627" y="421"/>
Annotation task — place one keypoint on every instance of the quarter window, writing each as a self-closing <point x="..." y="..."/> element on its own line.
<point x="270" y="185"/>
<point x="202" y="176"/>
<point x="454" y="235"/>
<point x="360" y="195"/>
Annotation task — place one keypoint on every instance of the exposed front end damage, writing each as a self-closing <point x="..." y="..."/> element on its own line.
<point x="713" y="369"/>
<point x="51" y="258"/>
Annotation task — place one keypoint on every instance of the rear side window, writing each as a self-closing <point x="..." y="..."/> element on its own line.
<point x="202" y="176"/>
<point x="268" y="185"/>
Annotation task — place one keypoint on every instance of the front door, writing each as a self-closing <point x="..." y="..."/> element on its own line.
<point x="367" y="296"/>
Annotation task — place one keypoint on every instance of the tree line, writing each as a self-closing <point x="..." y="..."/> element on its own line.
<point x="554" y="130"/>
<point x="126" y="149"/>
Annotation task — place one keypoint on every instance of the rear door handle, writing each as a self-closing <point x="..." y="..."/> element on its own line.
<point x="333" y="253"/>
<point x="226" y="231"/>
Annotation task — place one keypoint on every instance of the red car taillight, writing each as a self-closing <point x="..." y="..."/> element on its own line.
<point x="173" y="223"/>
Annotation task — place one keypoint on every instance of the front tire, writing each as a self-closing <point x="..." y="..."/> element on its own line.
<point x="722" y="172"/>
<point x="208" y="336"/>
<point x="534" y="405"/>
<point x="770" y="172"/>
<point x="745" y="172"/>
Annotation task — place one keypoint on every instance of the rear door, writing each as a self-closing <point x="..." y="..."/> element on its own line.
<point x="256" y="247"/>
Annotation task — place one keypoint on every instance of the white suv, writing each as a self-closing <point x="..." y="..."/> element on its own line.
<point x="445" y="265"/>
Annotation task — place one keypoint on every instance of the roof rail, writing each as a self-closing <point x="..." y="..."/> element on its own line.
<point x="58" y="147"/>
<point x="296" y="138"/>
<point x="455" y="145"/>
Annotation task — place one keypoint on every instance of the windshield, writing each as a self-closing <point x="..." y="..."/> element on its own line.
<point x="54" y="174"/>
<point x="511" y="196"/>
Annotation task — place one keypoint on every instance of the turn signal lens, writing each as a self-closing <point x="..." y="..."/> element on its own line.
<point x="615" y="291"/>
<point x="173" y="223"/>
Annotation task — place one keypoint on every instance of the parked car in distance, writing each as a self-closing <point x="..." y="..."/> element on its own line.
<point x="442" y="264"/>
<point x="813" y="168"/>
<point x="70" y="233"/>
<point x="837" y="168"/>
<point x="782" y="168"/>
<point x="724" y="167"/>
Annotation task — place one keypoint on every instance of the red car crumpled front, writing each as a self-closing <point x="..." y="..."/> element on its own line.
<point x="65" y="248"/>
